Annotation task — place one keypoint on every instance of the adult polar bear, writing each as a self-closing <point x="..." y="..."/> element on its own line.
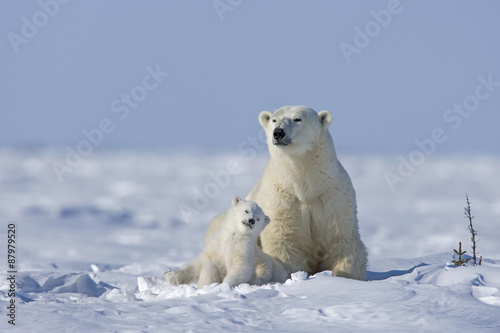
<point x="308" y="195"/>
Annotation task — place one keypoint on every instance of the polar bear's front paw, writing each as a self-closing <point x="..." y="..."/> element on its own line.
<point x="256" y="281"/>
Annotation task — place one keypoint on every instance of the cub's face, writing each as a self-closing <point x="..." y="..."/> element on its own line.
<point x="248" y="216"/>
<point x="294" y="129"/>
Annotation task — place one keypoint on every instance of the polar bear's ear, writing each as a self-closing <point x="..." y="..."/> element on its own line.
<point x="236" y="200"/>
<point x="266" y="220"/>
<point x="325" y="118"/>
<point x="264" y="117"/>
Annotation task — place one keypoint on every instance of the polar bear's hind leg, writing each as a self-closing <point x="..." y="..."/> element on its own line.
<point x="184" y="275"/>
<point x="209" y="274"/>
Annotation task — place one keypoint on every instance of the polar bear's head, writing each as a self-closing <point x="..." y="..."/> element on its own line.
<point x="294" y="128"/>
<point x="247" y="216"/>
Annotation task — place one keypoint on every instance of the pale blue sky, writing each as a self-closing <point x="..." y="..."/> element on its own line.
<point x="264" y="54"/>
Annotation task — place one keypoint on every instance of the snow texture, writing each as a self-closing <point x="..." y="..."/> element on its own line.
<point x="92" y="249"/>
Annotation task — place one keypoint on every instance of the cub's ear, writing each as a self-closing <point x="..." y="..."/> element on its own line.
<point x="267" y="220"/>
<point x="325" y="118"/>
<point x="236" y="200"/>
<point x="264" y="117"/>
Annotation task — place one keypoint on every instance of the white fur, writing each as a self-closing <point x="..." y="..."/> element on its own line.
<point x="309" y="197"/>
<point x="231" y="254"/>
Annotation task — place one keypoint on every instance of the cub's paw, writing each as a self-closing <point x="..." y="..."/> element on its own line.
<point x="173" y="277"/>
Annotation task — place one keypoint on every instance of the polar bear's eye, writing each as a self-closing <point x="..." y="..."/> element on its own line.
<point x="246" y="211"/>
<point x="297" y="120"/>
<point x="274" y="120"/>
<point x="258" y="219"/>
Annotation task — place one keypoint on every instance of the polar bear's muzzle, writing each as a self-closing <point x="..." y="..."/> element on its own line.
<point x="250" y="223"/>
<point x="279" y="137"/>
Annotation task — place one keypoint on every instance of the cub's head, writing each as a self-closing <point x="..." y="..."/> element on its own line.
<point x="294" y="129"/>
<point x="247" y="216"/>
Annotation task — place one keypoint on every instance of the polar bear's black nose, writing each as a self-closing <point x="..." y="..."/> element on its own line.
<point x="251" y="221"/>
<point x="278" y="134"/>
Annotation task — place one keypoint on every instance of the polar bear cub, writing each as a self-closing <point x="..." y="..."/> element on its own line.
<point x="231" y="254"/>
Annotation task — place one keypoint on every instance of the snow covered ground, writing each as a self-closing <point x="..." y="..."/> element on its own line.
<point x="91" y="250"/>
